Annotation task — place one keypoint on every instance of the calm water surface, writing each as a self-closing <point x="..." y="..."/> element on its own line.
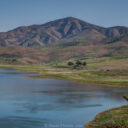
<point x="46" y="103"/>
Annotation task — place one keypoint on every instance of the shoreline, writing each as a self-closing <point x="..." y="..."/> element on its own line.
<point x="71" y="75"/>
<point x="112" y="118"/>
<point x="44" y="71"/>
<point x="125" y="96"/>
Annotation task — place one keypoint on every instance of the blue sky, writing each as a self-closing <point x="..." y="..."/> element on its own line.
<point x="14" y="13"/>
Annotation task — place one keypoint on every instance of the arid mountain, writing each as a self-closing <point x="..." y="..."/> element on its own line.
<point x="58" y="31"/>
<point x="61" y="40"/>
<point x="22" y="55"/>
<point x="112" y="47"/>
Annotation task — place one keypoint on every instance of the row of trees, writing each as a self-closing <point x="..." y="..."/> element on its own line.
<point x="77" y="64"/>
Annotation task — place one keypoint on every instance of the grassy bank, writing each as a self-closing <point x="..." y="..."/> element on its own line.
<point x="125" y="96"/>
<point x="113" y="118"/>
<point x="101" y="71"/>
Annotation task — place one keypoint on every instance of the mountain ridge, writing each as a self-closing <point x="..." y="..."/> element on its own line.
<point x="58" y="31"/>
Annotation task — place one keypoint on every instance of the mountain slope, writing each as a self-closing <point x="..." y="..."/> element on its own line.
<point x="58" y="31"/>
<point x="112" y="47"/>
<point x="22" y="55"/>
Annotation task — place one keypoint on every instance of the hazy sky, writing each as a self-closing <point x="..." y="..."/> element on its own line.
<point x="14" y="13"/>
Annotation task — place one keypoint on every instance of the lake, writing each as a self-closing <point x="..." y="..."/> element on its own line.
<point x="47" y="103"/>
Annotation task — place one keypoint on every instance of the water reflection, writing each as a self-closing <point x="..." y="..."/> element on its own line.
<point x="23" y="122"/>
<point x="28" y="102"/>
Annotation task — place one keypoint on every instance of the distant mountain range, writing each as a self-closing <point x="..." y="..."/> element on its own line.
<point x="59" y="31"/>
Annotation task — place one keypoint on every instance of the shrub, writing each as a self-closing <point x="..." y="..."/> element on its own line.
<point x="84" y="63"/>
<point x="70" y="63"/>
<point x="78" y="63"/>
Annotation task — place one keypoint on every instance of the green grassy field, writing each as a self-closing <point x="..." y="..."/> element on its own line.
<point x="113" y="118"/>
<point x="110" y="71"/>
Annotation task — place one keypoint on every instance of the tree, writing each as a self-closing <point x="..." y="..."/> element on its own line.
<point x="78" y="63"/>
<point x="70" y="63"/>
<point x="84" y="63"/>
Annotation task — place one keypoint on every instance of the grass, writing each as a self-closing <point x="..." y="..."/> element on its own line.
<point x="125" y="96"/>
<point x="113" y="118"/>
